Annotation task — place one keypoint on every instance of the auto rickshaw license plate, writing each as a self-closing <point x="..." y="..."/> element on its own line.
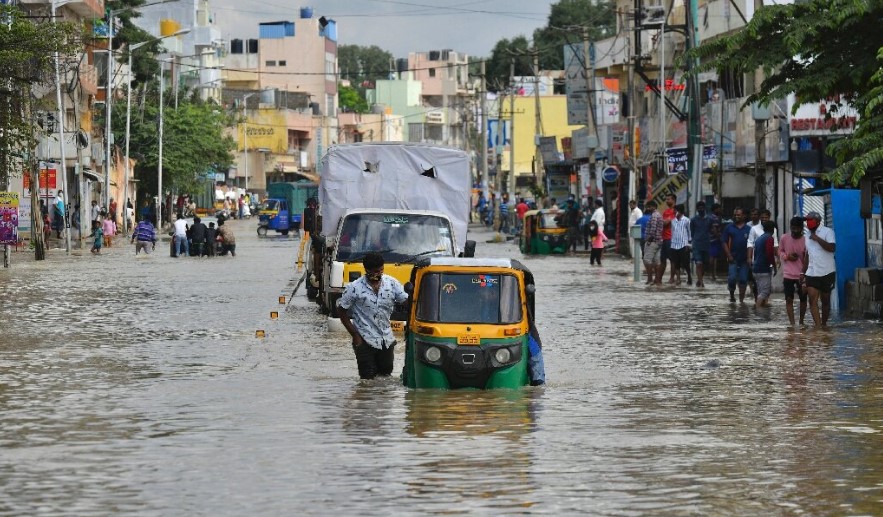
<point x="468" y="339"/>
<point x="398" y="326"/>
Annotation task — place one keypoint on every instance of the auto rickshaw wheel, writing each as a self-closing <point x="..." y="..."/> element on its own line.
<point x="283" y="232"/>
<point x="262" y="231"/>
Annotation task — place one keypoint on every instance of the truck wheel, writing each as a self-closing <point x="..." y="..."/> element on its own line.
<point x="262" y="231"/>
<point x="283" y="232"/>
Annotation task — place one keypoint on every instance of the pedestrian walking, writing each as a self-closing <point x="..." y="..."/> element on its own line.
<point x="58" y="213"/>
<point x="144" y="235"/>
<point x="700" y="232"/>
<point x="715" y="250"/>
<point x="598" y="241"/>
<point x="734" y="242"/>
<point x="98" y="240"/>
<point x="763" y="265"/>
<point x="366" y="307"/>
<point x="109" y="229"/>
<point x="820" y="272"/>
<point x="95" y="217"/>
<point x="792" y="252"/>
<point x="227" y="239"/>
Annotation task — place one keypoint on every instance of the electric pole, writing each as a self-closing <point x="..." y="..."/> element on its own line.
<point x="483" y="130"/>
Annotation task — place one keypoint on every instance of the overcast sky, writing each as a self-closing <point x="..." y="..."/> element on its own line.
<point x="399" y="26"/>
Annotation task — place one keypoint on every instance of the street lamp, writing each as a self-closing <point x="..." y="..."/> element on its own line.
<point x="107" y="92"/>
<point x="133" y="48"/>
<point x="60" y="106"/>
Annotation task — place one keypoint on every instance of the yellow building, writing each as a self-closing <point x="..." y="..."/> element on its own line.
<point x="553" y="119"/>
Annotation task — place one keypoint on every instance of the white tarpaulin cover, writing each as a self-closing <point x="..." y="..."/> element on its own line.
<point x="403" y="176"/>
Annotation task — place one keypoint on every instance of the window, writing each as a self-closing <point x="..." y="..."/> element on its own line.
<point x="270" y="63"/>
<point x="283" y="63"/>
<point x="432" y="72"/>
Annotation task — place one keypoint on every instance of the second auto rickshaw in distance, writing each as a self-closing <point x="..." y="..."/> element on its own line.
<point x="541" y="233"/>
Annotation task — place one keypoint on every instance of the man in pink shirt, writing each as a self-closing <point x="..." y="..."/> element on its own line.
<point x="520" y="209"/>
<point x="792" y="250"/>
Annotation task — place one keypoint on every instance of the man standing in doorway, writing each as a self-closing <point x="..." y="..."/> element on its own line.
<point x="365" y="310"/>
<point x="820" y="272"/>
<point x="635" y="213"/>
<point x="734" y="242"/>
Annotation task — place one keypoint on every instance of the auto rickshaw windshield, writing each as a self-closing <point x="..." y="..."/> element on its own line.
<point x="270" y="204"/>
<point x="547" y="220"/>
<point x="469" y="298"/>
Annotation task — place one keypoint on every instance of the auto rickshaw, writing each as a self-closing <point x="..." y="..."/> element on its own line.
<point x="541" y="234"/>
<point x="470" y="325"/>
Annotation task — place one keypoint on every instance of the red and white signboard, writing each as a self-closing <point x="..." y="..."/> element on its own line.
<point x="833" y="116"/>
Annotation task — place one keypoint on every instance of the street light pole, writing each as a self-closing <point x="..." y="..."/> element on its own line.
<point x="133" y="48"/>
<point x="107" y="99"/>
<point x="65" y="223"/>
<point x="245" y="134"/>
<point x="159" y="153"/>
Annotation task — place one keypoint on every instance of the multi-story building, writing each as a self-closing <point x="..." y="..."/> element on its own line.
<point x="297" y="62"/>
<point x="446" y="96"/>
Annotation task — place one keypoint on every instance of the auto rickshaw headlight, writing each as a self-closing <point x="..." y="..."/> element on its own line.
<point x="502" y="355"/>
<point x="433" y="354"/>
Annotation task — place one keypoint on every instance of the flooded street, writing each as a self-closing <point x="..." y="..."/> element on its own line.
<point x="137" y="386"/>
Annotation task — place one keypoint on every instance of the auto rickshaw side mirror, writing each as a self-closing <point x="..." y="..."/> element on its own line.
<point x="530" y="289"/>
<point x="469" y="249"/>
<point x="409" y="288"/>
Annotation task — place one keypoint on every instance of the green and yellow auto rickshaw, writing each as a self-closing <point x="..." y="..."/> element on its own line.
<point x="470" y="325"/>
<point x="541" y="234"/>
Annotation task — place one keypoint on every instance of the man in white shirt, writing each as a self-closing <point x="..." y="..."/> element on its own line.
<point x="820" y="269"/>
<point x="635" y="213"/>
<point x="598" y="215"/>
<point x="182" y="246"/>
<point x="757" y="231"/>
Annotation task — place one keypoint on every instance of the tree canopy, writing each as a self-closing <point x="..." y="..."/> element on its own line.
<point x="818" y="49"/>
<point x="195" y="140"/>
<point x="359" y="64"/>
<point x="27" y="67"/>
<point x="569" y="22"/>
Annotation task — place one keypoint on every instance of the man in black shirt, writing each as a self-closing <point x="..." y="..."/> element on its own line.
<point x="198" y="234"/>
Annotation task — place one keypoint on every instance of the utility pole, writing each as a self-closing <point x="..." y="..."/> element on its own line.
<point x="630" y="117"/>
<point x="591" y="119"/>
<point x="65" y="219"/>
<point x="694" y="138"/>
<point x="512" y="127"/>
<point x="538" y="120"/>
<point x="483" y="130"/>
<point x="108" y="89"/>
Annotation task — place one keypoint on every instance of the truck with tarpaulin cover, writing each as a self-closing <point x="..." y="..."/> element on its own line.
<point x="405" y="201"/>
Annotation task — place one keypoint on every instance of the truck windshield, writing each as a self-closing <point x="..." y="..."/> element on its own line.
<point x="469" y="298"/>
<point x="398" y="237"/>
<point x="270" y="204"/>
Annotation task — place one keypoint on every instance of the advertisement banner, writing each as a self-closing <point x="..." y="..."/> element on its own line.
<point x="48" y="180"/>
<point x="8" y="217"/>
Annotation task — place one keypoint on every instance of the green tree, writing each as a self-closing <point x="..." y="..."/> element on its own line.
<point x="499" y="64"/>
<point x="196" y="140"/>
<point x="569" y="22"/>
<point x="351" y="100"/>
<point x="816" y="49"/>
<point x="359" y="64"/>
<point x="27" y="68"/>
